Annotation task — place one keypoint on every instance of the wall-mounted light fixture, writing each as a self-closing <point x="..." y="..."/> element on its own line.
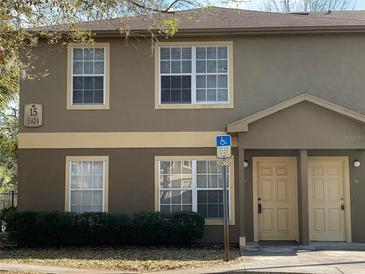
<point x="245" y="163"/>
<point x="356" y="163"/>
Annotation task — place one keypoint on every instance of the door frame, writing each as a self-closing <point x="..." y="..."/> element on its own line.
<point x="346" y="192"/>
<point x="256" y="161"/>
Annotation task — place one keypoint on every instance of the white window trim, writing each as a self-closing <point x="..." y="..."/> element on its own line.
<point x="194" y="104"/>
<point x="70" y="75"/>
<point x="69" y="159"/>
<point x="194" y="185"/>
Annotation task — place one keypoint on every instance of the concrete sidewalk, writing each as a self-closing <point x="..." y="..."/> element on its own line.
<point x="329" y="258"/>
<point x="338" y="258"/>
<point x="306" y="261"/>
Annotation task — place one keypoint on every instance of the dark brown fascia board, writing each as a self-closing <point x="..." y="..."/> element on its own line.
<point x="241" y="31"/>
<point x="267" y="31"/>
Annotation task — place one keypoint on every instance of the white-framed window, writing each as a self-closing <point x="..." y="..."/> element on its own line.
<point x="194" y="75"/>
<point x="86" y="184"/>
<point x="88" y="76"/>
<point x="176" y="186"/>
<point x="194" y="184"/>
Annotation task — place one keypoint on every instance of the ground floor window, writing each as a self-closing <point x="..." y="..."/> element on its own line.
<point x="86" y="185"/>
<point x="192" y="185"/>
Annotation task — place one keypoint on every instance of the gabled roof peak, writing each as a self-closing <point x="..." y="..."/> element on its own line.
<point x="242" y="124"/>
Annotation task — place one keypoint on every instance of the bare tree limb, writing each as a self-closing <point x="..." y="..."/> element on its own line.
<point x="306" y="5"/>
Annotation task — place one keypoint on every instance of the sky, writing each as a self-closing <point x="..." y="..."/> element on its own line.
<point x="259" y="4"/>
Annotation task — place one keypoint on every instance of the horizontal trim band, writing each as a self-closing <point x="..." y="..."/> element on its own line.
<point x="119" y="139"/>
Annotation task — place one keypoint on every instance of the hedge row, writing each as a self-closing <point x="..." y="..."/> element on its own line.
<point x="95" y="229"/>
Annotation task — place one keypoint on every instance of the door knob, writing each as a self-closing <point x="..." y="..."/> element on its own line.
<point x="259" y="207"/>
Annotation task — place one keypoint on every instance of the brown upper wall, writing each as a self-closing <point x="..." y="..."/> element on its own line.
<point x="267" y="70"/>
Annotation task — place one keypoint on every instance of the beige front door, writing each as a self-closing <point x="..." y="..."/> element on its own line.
<point x="276" y="213"/>
<point x="326" y="185"/>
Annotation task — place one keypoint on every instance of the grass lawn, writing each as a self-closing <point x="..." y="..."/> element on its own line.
<point x="128" y="259"/>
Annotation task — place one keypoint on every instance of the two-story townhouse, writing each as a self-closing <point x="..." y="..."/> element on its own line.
<point x="124" y="130"/>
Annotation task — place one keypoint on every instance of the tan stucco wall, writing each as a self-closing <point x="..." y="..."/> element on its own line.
<point x="131" y="181"/>
<point x="304" y="126"/>
<point x="267" y="70"/>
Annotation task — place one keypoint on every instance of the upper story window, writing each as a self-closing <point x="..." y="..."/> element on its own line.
<point x="88" y="77"/>
<point x="194" y="75"/>
<point x="88" y="74"/>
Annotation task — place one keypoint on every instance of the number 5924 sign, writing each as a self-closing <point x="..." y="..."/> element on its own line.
<point x="33" y="115"/>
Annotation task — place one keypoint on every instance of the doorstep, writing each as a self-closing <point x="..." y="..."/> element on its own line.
<point x="290" y="247"/>
<point x="336" y="246"/>
<point x="268" y="248"/>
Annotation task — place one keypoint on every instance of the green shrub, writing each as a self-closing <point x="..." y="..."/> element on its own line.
<point x="94" y="229"/>
<point x="5" y="211"/>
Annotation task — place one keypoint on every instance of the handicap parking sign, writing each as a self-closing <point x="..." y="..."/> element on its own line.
<point x="223" y="143"/>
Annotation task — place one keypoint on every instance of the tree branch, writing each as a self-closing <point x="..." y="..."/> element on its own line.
<point x="151" y="9"/>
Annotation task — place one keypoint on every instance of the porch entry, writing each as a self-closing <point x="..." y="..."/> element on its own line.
<point x="275" y="198"/>
<point x="328" y="194"/>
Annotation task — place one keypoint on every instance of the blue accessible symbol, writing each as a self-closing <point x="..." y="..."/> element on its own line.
<point x="223" y="141"/>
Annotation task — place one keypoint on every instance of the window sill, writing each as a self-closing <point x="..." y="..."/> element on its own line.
<point x="88" y="107"/>
<point x="218" y="222"/>
<point x="193" y="106"/>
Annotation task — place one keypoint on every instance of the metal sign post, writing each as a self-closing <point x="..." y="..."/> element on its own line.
<point x="225" y="214"/>
<point x="224" y="152"/>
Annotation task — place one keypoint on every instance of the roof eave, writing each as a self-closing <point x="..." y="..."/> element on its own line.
<point x="241" y="31"/>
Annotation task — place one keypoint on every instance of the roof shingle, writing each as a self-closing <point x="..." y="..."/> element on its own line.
<point x="226" y="18"/>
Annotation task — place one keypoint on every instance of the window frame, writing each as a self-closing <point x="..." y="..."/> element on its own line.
<point x="194" y="104"/>
<point x="106" y="75"/>
<point x="194" y="186"/>
<point x="69" y="159"/>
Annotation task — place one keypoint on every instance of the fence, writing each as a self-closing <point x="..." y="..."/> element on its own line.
<point x="8" y="199"/>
